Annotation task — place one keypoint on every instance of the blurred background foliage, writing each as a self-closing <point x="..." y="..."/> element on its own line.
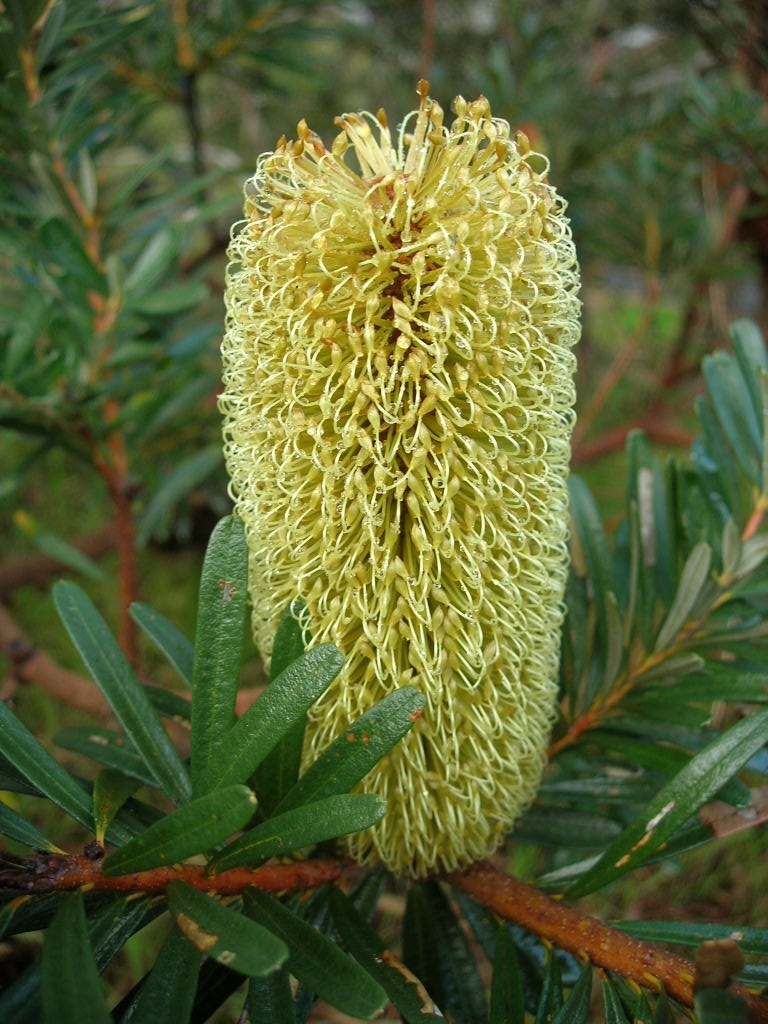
<point x="126" y="131"/>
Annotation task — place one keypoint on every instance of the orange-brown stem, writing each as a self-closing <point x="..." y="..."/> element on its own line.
<point x="59" y="873"/>
<point x="578" y="933"/>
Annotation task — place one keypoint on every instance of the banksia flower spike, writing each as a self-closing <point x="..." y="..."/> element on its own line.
<point x="398" y="404"/>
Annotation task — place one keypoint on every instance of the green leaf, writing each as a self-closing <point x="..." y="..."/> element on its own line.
<point x="107" y="747"/>
<point x="65" y="249"/>
<point x="194" y="828"/>
<point x="714" y="462"/>
<point x="719" y="1006"/>
<point x="218" y="649"/>
<point x="29" y="323"/>
<point x="749" y="348"/>
<point x="153" y="262"/>
<point x="316" y="961"/>
<point x="270" y="999"/>
<point x="169" y="704"/>
<point x="228" y="937"/>
<point x="36" y="765"/>
<point x="734" y="409"/>
<point x="350" y="757"/>
<point x="553" y="827"/>
<point x="692" y="581"/>
<point x="110" y="791"/>
<point x="70" y="986"/>
<point x="168" y="991"/>
<point x="189" y="473"/>
<point x="123" y="691"/>
<point x="593" y="543"/>
<point x="464" y="992"/>
<point x="507" y="1005"/>
<point x="176" y="298"/>
<point x="420" y="948"/>
<point x="676" y="802"/>
<point x="403" y="989"/>
<point x="270" y="717"/>
<point x="752" y="941"/>
<point x="167" y="638"/>
<point x="551" y="1000"/>
<point x="664" y="760"/>
<point x="279" y="770"/>
<point x="663" y="1013"/>
<point x="14" y="827"/>
<point x="576" y="1008"/>
<point x="613" y="1010"/>
<point x="302" y="827"/>
<point x="109" y="929"/>
<point x="49" y="544"/>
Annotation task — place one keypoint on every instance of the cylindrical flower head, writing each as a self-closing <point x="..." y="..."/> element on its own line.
<point x="398" y="403"/>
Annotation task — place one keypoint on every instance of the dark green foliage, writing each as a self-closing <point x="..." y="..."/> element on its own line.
<point x="319" y="811"/>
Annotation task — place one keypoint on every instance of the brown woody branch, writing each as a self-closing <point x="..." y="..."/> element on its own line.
<point x="45" y="873"/>
<point x="585" y="936"/>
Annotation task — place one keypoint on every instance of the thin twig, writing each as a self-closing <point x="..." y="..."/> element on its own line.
<point x="43" y="873"/>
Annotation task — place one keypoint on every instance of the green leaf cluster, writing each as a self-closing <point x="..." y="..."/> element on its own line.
<point x="159" y="810"/>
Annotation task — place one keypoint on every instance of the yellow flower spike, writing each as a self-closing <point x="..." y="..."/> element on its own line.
<point x="398" y="405"/>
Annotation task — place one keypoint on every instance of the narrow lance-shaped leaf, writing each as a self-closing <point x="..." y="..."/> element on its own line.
<point x="463" y="988"/>
<point x="593" y="542"/>
<point x="175" y="298"/>
<point x="188" y="474"/>
<point x="270" y="999"/>
<point x="218" y="646"/>
<point x="750" y="350"/>
<point x="716" y="467"/>
<point x="302" y="827"/>
<point x="404" y="990"/>
<point x="613" y="1010"/>
<point x="36" y="765"/>
<point x="168" y="638"/>
<point x="110" y="791"/>
<point x="67" y="251"/>
<point x="70" y="985"/>
<point x="694" y="576"/>
<point x="316" y="961"/>
<point x="551" y="1000"/>
<point x="353" y="754"/>
<point x="267" y="720"/>
<point x="223" y="934"/>
<point x="719" y="1006"/>
<point x="14" y="827"/>
<point x="123" y="691"/>
<point x="168" y="991"/>
<point x="733" y="405"/>
<point x="57" y="548"/>
<point x="576" y="1008"/>
<point x="752" y="941"/>
<point x="507" y="1004"/>
<point x="153" y="261"/>
<point x="420" y="949"/>
<point x="107" y="747"/>
<point x="692" y="787"/>
<point x="279" y="770"/>
<point x="195" y="828"/>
